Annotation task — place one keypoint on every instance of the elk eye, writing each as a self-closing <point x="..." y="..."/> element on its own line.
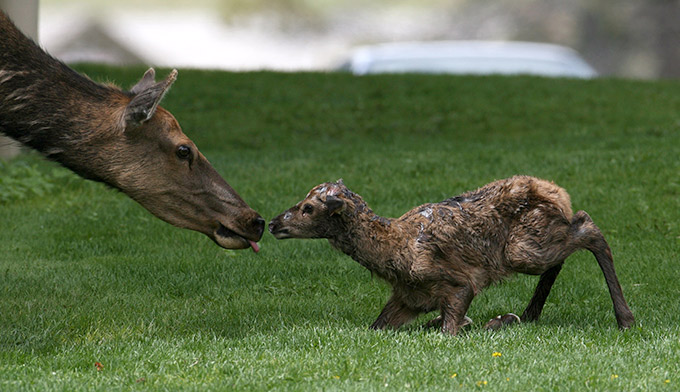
<point x="183" y="152"/>
<point x="307" y="209"/>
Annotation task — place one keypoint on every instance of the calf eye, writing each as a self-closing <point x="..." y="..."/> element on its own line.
<point x="183" y="152"/>
<point x="307" y="209"/>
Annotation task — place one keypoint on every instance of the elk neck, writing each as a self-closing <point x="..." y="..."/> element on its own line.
<point x="49" y="107"/>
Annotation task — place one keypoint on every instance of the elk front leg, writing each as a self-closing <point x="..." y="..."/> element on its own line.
<point x="454" y="308"/>
<point x="394" y="314"/>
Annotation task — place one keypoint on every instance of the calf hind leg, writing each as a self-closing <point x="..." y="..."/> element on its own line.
<point x="503" y="321"/>
<point x="584" y="234"/>
<point x="545" y="283"/>
<point x="535" y="307"/>
<point x="589" y="236"/>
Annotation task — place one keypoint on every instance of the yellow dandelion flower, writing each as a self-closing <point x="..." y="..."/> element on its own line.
<point x="667" y="381"/>
<point x="336" y="377"/>
<point x="454" y="375"/>
<point x="613" y="376"/>
<point x="496" y="354"/>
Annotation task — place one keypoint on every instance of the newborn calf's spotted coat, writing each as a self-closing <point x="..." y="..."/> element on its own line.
<point x="439" y="256"/>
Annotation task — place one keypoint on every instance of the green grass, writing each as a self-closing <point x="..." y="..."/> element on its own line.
<point x="86" y="275"/>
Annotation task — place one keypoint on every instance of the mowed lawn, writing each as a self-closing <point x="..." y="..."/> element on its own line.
<point x="97" y="294"/>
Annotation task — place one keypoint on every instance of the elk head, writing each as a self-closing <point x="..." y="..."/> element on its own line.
<point x="154" y="163"/>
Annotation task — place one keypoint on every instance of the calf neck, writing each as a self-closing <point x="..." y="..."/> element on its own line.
<point x="121" y="138"/>
<point x="438" y="256"/>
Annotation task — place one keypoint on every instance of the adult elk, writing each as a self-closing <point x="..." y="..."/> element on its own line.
<point x="121" y="138"/>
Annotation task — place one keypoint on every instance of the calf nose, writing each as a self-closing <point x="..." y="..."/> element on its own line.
<point x="258" y="224"/>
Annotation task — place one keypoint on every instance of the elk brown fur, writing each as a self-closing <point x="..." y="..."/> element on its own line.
<point x="438" y="256"/>
<point x="121" y="138"/>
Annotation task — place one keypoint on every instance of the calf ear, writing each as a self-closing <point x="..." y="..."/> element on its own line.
<point x="334" y="204"/>
<point x="147" y="95"/>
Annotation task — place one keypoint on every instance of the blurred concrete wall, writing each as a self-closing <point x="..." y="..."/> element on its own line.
<point x="25" y="14"/>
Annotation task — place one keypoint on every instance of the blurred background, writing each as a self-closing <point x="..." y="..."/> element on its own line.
<point x="622" y="38"/>
<point x="617" y="38"/>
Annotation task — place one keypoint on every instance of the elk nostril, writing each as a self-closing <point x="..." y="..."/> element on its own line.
<point x="259" y="223"/>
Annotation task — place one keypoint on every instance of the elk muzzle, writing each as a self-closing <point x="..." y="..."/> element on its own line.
<point x="230" y="239"/>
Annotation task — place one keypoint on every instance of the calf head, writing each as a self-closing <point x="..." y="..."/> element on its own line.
<point x="318" y="215"/>
<point x="153" y="162"/>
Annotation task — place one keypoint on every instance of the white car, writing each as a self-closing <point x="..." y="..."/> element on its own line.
<point x="469" y="57"/>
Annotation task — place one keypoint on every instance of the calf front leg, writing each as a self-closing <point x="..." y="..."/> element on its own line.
<point x="438" y="321"/>
<point x="454" y="308"/>
<point x="394" y="314"/>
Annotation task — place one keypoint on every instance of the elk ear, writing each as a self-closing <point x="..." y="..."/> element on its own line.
<point x="147" y="95"/>
<point x="334" y="204"/>
<point x="145" y="82"/>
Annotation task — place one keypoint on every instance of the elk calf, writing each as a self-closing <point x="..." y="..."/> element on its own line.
<point x="121" y="138"/>
<point x="439" y="256"/>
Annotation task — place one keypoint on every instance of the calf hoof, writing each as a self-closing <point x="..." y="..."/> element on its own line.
<point x="625" y="320"/>
<point x="466" y="321"/>
<point x="503" y="321"/>
<point x="434" y="323"/>
<point x="438" y="321"/>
